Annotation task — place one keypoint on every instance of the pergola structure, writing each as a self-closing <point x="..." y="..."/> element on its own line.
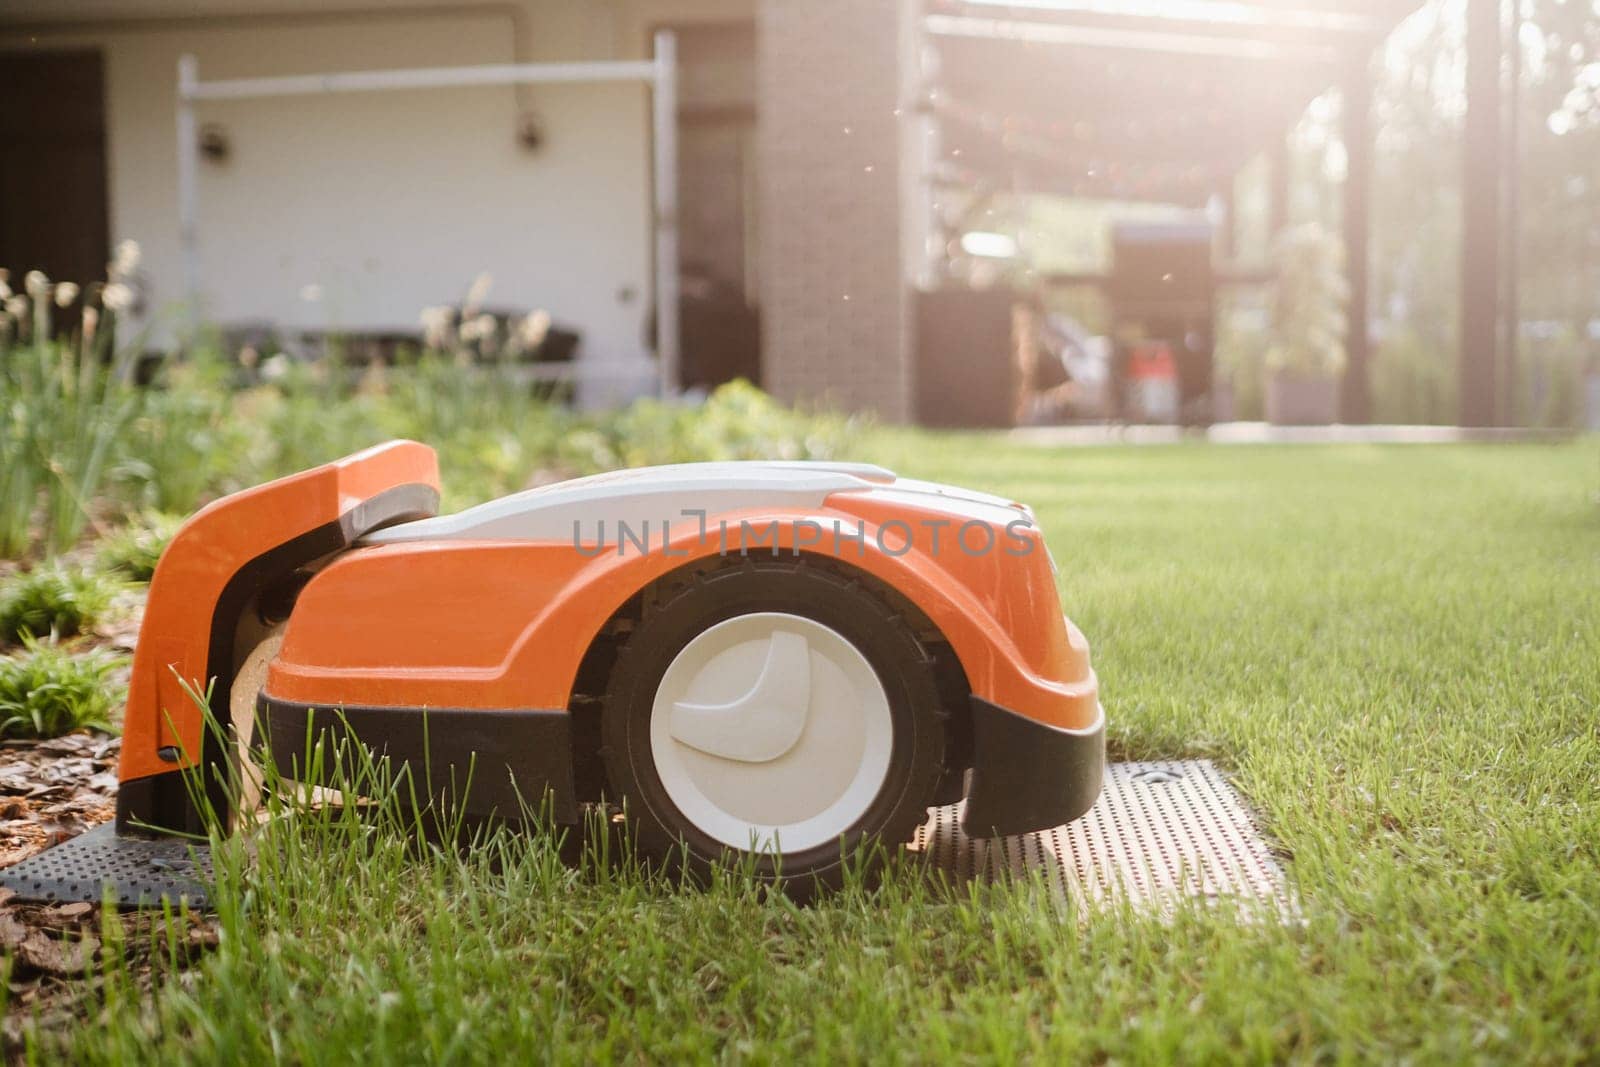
<point x="1166" y="100"/>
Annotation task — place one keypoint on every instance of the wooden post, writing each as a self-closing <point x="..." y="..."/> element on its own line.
<point x="1355" y="402"/>
<point x="1480" y="224"/>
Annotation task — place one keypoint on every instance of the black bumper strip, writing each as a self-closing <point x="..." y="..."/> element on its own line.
<point x="1028" y="775"/>
<point x="491" y="761"/>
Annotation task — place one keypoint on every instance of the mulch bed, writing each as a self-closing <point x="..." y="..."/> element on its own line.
<point x="50" y="954"/>
<point x="53" y="790"/>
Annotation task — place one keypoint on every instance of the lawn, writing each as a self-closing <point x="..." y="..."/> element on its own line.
<point x="1394" y="651"/>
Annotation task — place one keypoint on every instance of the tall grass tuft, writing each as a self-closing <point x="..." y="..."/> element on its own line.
<point x="53" y="599"/>
<point x="47" y="690"/>
<point x="135" y="549"/>
<point x="66" y="401"/>
<point x="737" y="421"/>
<point x="188" y="439"/>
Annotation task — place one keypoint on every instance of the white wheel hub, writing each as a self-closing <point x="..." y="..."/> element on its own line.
<point x="771" y="732"/>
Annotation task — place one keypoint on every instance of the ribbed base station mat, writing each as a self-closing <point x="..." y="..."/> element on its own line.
<point x="138" y="870"/>
<point x="1158" y="833"/>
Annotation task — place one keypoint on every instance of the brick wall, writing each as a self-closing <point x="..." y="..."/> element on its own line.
<point x="835" y="311"/>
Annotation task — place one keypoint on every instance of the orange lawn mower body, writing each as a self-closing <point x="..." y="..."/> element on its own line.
<point x="774" y="656"/>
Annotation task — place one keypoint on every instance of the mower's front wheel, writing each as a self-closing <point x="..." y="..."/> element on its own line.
<point x="247" y="683"/>
<point x="775" y="710"/>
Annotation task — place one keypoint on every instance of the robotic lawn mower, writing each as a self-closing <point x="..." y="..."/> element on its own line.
<point x="778" y="658"/>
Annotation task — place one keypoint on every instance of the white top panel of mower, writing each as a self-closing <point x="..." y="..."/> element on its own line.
<point x="678" y="494"/>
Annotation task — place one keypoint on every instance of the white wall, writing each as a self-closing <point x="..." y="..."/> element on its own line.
<point x="389" y="201"/>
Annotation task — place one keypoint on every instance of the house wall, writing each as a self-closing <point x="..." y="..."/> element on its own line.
<point x="833" y="165"/>
<point x="382" y="203"/>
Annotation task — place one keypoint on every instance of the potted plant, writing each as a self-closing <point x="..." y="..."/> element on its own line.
<point x="1306" y="355"/>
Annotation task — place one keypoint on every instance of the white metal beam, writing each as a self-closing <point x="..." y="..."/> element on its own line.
<point x="366" y="81"/>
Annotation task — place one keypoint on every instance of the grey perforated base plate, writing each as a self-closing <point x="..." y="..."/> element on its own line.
<point x="1159" y="832"/>
<point x="138" y="870"/>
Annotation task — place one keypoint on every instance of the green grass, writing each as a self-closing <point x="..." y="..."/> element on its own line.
<point x="1395" y="651"/>
<point x="53" y="598"/>
<point x="47" y="690"/>
<point x="135" y="549"/>
<point x="66" y="405"/>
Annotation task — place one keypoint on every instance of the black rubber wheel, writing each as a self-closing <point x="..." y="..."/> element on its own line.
<point x="685" y="607"/>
